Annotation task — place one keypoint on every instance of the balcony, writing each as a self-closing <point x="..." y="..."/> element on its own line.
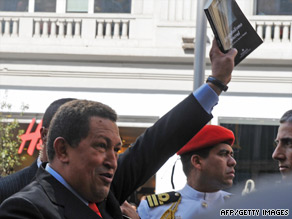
<point x="47" y="34"/>
<point x="42" y="34"/>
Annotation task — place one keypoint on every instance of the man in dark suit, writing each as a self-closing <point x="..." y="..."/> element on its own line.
<point x="16" y="181"/>
<point x="85" y="178"/>
<point x="283" y="152"/>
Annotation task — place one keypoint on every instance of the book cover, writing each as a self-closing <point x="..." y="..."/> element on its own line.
<point x="231" y="28"/>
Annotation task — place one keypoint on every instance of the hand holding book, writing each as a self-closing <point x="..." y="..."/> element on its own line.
<point x="222" y="66"/>
<point x="231" y="28"/>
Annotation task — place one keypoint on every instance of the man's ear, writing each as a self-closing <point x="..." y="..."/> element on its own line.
<point x="196" y="161"/>
<point x="61" y="149"/>
<point x="43" y="132"/>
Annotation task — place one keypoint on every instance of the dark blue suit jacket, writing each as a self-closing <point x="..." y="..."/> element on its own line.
<point x="15" y="182"/>
<point x="47" y="198"/>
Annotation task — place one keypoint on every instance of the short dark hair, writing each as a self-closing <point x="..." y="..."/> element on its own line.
<point x="186" y="158"/>
<point x="72" y="122"/>
<point x="52" y="109"/>
<point x="287" y="117"/>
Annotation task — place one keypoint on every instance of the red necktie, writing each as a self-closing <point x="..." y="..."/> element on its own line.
<point x="94" y="208"/>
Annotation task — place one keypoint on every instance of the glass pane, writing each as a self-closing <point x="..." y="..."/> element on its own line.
<point x="253" y="149"/>
<point x="45" y="6"/>
<point x="274" y="7"/>
<point x="112" y="6"/>
<point x="77" y="6"/>
<point x="14" y="5"/>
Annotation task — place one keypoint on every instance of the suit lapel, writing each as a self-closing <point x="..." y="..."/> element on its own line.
<point x="60" y="196"/>
<point x="72" y="206"/>
<point x="113" y="206"/>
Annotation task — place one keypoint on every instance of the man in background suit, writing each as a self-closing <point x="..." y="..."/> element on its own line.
<point x="85" y="172"/>
<point x="16" y="181"/>
<point x="283" y="150"/>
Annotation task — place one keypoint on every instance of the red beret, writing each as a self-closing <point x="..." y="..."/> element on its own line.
<point x="209" y="135"/>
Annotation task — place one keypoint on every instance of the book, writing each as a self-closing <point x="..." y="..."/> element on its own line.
<point x="231" y="28"/>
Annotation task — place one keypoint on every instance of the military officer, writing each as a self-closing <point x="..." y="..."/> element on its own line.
<point x="208" y="164"/>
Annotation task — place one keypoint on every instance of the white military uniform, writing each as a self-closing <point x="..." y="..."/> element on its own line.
<point x="192" y="203"/>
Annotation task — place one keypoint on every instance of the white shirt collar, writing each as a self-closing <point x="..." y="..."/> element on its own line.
<point x="208" y="196"/>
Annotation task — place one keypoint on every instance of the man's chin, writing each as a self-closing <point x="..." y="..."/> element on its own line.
<point x="228" y="184"/>
<point x="287" y="176"/>
<point x="101" y="194"/>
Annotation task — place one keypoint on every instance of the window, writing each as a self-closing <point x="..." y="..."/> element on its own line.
<point x="77" y="6"/>
<point x="253" y="149"/>
<point x="45" y="6"/>
<point x="274" y="7"/>
<point x="112" y="6"/>
<point x="14" y="5"/>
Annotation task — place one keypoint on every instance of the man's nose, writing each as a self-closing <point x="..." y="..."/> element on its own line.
<point x="111" y="159"/>
<point x="279" y="153"/>
<point x="231" y="161"/>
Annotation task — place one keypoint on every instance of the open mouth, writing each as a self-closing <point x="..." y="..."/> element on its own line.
<point x="106" y="177"/>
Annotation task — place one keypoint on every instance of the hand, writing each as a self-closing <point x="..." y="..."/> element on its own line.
<point x="129" y="210"/>
<point x="222" y="64"/>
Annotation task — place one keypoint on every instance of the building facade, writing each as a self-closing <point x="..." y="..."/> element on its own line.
<point x="138" y="57"/>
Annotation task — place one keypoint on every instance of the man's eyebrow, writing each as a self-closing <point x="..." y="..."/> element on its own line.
<point x="286" y="140"/>
<point x="225" y="151"/>
<point x="109" y="141"/>
<point x="283" y="139"/>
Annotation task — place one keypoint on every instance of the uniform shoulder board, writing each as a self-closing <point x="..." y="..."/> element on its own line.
<point x="155" y="200"/>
